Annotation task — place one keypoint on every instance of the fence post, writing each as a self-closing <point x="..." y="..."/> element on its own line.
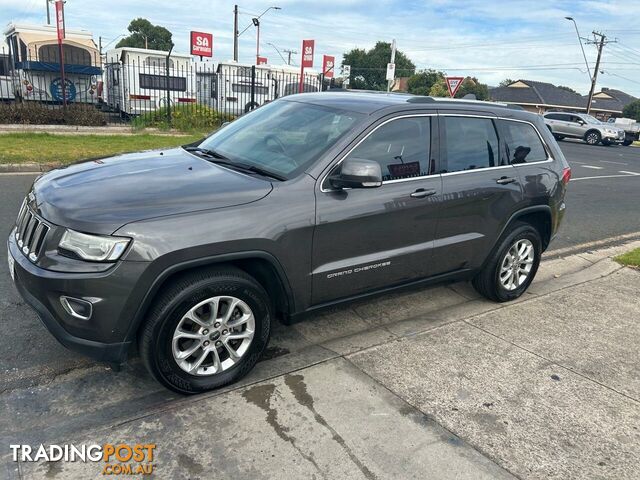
<point x="253" y="86"/>
<point x="168" y="89"/>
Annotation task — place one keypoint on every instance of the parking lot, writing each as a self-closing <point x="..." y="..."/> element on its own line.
<point x="430" y="383"/>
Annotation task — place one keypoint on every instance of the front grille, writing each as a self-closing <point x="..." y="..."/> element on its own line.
<point x="31" y="232"/>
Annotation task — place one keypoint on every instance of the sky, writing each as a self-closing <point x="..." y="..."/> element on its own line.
<point x="489" y="39"/>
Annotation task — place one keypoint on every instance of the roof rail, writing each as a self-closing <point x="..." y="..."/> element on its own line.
<point x="419" y="99"/>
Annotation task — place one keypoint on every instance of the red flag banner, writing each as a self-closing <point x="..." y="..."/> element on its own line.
<point x="307" y="53"/>
<point x="328" y="65"/>
<point x="60" y="19"/>
<point x="202" y="44"/>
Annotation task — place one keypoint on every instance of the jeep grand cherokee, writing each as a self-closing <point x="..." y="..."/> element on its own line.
<point x="309" y="201"/>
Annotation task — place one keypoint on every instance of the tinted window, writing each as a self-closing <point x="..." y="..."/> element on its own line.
<point x="72" y="55"/>
<point x="554" y="116"/>
<point x="401" y="147"/>
<point x="159" y="82"/>
<point x="523" y="143"/>
<point x="470" y="143"/>
<point x="283" y="137"/>
<point x="5" y="68"/>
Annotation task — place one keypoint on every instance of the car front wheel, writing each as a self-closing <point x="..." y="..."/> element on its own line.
<point x="207" y="330"/>
<point x="512" y="266"/>
<point x="593" y="137"/>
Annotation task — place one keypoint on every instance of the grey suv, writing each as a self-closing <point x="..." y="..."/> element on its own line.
<point x="309" y="201"/>
<point x="583" y="126"/>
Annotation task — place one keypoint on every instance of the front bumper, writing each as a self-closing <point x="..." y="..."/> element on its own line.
<point x="104" y="335"/>
<point x="613" y="137"/>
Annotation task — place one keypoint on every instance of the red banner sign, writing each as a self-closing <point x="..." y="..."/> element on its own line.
<point x="262" y="60"/>
<point x="307" y="53"/>
<point x="453" y="84"/>
<point x="60" y="20"/>
<point x="328" y="65"/>
<point x="202" y="44"/>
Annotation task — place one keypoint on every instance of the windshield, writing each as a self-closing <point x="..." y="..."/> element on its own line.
<point x="283" y="137"/>
<point x="590" y="119"/>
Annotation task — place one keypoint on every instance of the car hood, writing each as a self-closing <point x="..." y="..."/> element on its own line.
<point x="100" y="196"/>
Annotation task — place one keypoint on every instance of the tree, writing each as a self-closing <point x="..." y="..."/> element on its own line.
<point x="369" y="68"/>
<point x="505" y="83"/>
<point x="439" y="89"/>
<point x="632" y="110"/>
<point x="421" y="83"/>
<point x="568" y="89"/>
<point x="146" y="35"/>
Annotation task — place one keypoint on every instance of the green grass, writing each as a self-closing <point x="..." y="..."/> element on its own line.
<point x="47" y="148"/>
<point x="630" y="259"/>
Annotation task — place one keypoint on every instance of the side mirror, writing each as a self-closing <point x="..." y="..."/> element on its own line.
<point x="357" y="173"/>
<point x="582" y="122"/>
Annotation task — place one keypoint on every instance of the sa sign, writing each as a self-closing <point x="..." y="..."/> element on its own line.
<point x="202" y="44"/>
<point x="328" y="63"/>
<point x="307" y="53"/>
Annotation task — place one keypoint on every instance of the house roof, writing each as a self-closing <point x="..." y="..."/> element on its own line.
<point x="529" y="92"/>
<point x="538" y="93"/>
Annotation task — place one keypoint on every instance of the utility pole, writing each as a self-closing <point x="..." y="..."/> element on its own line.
<point x="235" y="33"/>
<point x="289" y="53"/>
<point x="393" y="60"/>
<point x="601" y="43"/>
<point x="48" y="13"/>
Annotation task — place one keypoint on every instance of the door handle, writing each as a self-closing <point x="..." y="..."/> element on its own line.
<point x="505" y="180"/>
<point x="422" y="193"/>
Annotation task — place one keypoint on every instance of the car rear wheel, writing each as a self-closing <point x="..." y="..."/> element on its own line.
<point x="207" y="330"/>
<point x="512" y="266"/>
<point x="593" y="137"/>
<point x="626" y="143"/>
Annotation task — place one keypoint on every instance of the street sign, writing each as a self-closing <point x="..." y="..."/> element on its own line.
<point x="453" y="84"/>
<point x="391" y="71"/>
<point x="307" y="53"/>
<point x="346" y="71"/>
<point x="328" y="63"/>
<point x="60" y="20"/>
<point x="202" y="44"/>
<point x="262" y="60"/>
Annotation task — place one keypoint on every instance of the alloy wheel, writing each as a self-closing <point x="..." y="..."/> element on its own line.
<point x="213" y="335"/>
<point x="517" y="264"/>
<point x="592" y="138"/>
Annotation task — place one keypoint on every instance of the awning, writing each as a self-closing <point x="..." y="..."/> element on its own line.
<point x="55" y="67"/>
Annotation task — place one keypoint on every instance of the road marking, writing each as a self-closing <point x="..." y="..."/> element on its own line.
<point x="616" y="163"/>
<point x="629" y="173"/>
<point x="593" y="245"/>
<point x="575" y="161"/>
<point x="605" y="176"/>
<point x="591" y="166"/>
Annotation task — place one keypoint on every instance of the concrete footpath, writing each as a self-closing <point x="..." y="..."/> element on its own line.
<point x="427" y="384"/>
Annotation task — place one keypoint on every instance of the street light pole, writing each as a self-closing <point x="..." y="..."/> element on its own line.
<point x="581" y="46"/>
<point x="254" y="22"/>
<point x="235" y="33"/>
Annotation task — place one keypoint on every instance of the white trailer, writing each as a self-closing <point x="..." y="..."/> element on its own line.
<point x="136" y="80"/>
<point x="34" y="63"/>
<point x="236" y="89"/>
<point x="6" y="81"/>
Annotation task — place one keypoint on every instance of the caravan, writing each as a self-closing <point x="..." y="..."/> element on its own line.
<point x="33" y="64"/>
<point x="237" y="88"/>
<point x="137" y="80"/>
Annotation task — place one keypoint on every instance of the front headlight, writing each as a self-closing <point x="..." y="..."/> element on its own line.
<point x="611" y="131"/>
<point x="93" y="247"/>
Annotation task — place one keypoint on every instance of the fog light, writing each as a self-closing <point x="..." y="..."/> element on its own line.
<point x="77" y="307"/>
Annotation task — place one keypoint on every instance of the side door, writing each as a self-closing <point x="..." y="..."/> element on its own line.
<point x="366" y="239"/>
<point x="576" y="126"/>
<point x="480" y="191"/>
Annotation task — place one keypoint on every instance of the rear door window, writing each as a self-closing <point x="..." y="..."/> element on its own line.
<point x="470" y="143"/>
<point x="523" y="143"/>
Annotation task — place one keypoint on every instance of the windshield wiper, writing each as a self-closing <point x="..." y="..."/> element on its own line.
<point x="222" y="160"/>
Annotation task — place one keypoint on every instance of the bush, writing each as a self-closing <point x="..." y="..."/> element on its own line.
<point x="33" y="113"/>
<point x="632" y="110"/>
<point x="187" y="118"/>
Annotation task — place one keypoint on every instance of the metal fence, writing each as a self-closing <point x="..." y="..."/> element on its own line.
<point x="146" y="88"/>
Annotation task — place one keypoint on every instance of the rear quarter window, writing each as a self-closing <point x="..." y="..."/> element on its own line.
<point x="523" y="143"/>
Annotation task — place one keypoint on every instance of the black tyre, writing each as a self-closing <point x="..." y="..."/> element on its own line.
<point x="206" y="330"/>
<point x="512" y="266"/>
<point x="626" y="143"/>
<point x="592" y="137"/>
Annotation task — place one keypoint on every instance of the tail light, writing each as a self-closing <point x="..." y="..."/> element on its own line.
<point x="566" y="175"/>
